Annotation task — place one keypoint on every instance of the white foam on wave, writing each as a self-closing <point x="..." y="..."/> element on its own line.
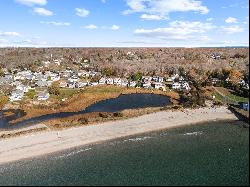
<point x="193" y="133"/>
<point x="137" y="139"/>
<point x="72" y="153"/>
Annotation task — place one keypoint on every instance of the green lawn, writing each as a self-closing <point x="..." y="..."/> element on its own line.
<point x="231" y="98"/>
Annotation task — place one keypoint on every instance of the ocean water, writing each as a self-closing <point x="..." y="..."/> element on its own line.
<point x="215" y="153"/>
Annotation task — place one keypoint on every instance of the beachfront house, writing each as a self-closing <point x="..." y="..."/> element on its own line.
<point x="110" y="81"/>
<point x="176" y="86"/>
<point x="147" y="85"/>
<point x="132" y="83"/>
<point x="158" y="79"/>
<point x="117" y="81"/>
<point x="16" y="95"/>
<point x="159" y="86"/>
<point x="102" y="80"/>
<point x="146" y="79"/>
<point x="124" y="82"/>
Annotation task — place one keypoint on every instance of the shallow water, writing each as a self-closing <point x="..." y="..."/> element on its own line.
<point x="208" y="154"/>
<point x="128" y="101"/>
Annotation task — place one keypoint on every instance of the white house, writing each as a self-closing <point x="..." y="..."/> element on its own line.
<point x="186" y="86"/>
<point x="176" y="85"/>
<point x="63" y="84"/>
<point x="132" y="84"/>
<point x="94" y="83"/>
<point x="176" y="76"/>
<point x="41" y="83"/>
<point x="146" y="85"/>
<point x="73" y="79"/>
<point x="43" y="96"/>
<point x="110" y="81"/>
<point x="82" y="84"/>
<point x="146" y="78"/>
<point x="72" y="85"/>
<point x="117" y="81"/>
<point x="102" y="80"/>
<point x="23" y="88"/>
<point x="124" y="82"/>
<point x="16" y="95"/>
<point x="159" y="86"/>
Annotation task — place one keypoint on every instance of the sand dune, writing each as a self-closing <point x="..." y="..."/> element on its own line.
<point x="37" y="144"/>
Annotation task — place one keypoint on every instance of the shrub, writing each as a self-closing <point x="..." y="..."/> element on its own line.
<point x="31" y="94"/>
<point x="118" y="114"/>
<point x="218" y="103"/>
<point x="83" y="120"/>
<point x="103" y="115"/>
<point x="3" y="101"/>
<point x="54" y="89"/>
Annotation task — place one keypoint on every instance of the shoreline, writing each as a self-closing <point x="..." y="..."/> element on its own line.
<point x="43" y="143"/>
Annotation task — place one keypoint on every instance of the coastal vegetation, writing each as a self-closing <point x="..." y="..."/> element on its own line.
<point x="82" y="98"/>
<point x="3" y="101"/>
<point x="59" y="80"/>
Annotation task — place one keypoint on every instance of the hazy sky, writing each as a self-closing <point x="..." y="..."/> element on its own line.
<point x="124" y="23"/>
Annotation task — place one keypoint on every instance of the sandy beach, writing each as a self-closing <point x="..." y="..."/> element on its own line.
<point x="42" y="143"/>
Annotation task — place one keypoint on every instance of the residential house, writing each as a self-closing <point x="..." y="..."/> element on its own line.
<point x="102" y="80"/>
<point x="159" y="86"/>
<point x="23" y="88"/>
<point x="43" y="96"/>
<point x="94" y="83"/>
<point x="63" y="84"/>
<point x="175" y="76"/>
<point x="158" y="79"/>
<point x="72" y="85"/>
<point x="110" y="81"/>
<point x="124" y="82"/>
<point x="16" y="95"/>
<point x="185" y="86"/>
<point x="147" y="85"/>
<point x="132" y="83"/>
<point x="216" y="56"/>
<point x="176" y="86"/>
<point x="73" y="79"/>
<point x="82" y="84"/>
<point x="146" y="79"/>
<point x="41" y="83"/>
<point x="117" y="81"/>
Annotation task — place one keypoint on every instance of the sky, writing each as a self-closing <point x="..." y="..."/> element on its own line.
<point x="124" y="23"/>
